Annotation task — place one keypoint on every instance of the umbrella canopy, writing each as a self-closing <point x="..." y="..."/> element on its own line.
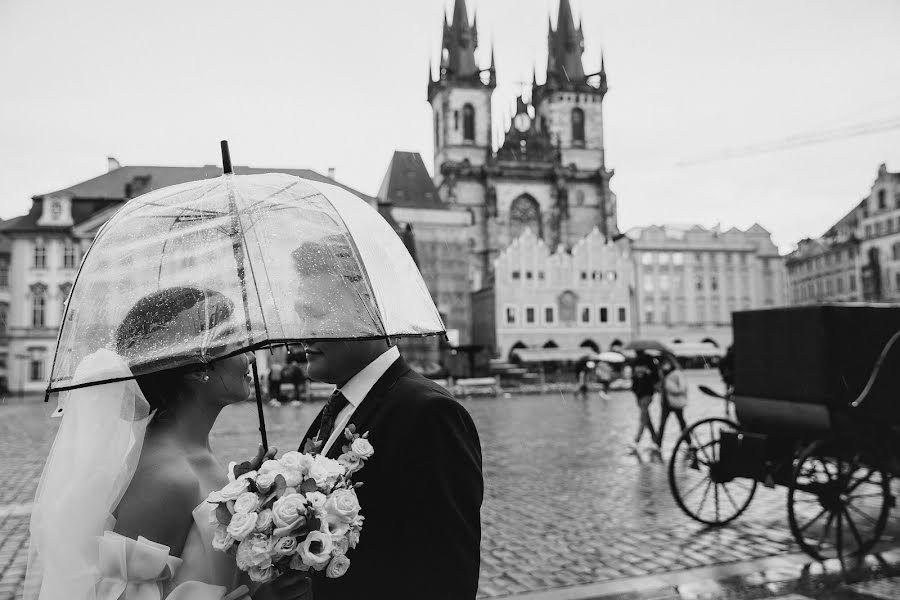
<point x="612" y="357"/>
<point x="238" y="263"/>
<point x="648" y="345"/>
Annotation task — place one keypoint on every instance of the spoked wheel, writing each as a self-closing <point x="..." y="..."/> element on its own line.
<point x="703" y="489"/>
<point x="838" y="504"/>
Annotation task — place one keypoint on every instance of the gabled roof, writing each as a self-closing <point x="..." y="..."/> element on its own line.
<point x="407" y="183"/>
<point x="108" y="190"/>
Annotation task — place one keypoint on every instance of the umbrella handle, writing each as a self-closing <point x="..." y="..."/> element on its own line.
<point x="259" y="409"/>
<point x="226" y="157"/>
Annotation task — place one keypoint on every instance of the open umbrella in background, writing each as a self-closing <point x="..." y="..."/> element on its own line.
<point x="298" y="260"/>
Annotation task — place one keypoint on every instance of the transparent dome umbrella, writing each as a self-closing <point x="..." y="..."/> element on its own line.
<point x="273" y="258"/>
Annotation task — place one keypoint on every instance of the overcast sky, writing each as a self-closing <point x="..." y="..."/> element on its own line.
<point x="294" y="83"/>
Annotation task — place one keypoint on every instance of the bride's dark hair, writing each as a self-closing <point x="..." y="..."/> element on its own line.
<point x="154" y="320"/>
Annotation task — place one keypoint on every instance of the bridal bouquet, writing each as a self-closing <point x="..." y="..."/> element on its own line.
<point x="297" y="512"/>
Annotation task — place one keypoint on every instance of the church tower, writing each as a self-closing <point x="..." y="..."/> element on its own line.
<point x="461" y="96"/>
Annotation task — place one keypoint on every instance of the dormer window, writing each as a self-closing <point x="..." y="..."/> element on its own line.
<point x="56" y="211"/>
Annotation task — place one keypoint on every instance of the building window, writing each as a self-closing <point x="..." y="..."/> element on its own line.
<point x="647" y="258"/>
<point x="713" y="283"/>
<point x="568" y="304"/>
<point x="510" y="311"/>
<point x="839" y="281"/>
<point x="4" y="311"/>
<point x="882" y="200"/>
<point x="648" y="283"/>
<point x="869" y="230"/>
<point x="69" y="255"/>
<point x="456" y="120"/>
<point x="604" y="314"/>
<point x="664" y="283"/>
<point x="698" y="282"/>
<point x="468" y="123"/>
<point x="38" y="309"/>
<point x="549" y="315"/>
<point x="677" y="259"/>
<point x="623" y="314"/>
<point x="40" y="255"/>
<point x="585" y="314"/>
<point x="540" y="275"/>
<point x="663" y="258"/>
<point x="895" y="251"/>
<point x="584" y="275"/>
<point x="828" y="286"/>
<point x="4" y="273"/>
<point x="530" y="315"/>
<point x="878" y="228"/>
<point x="516" y="275"/>
<point x="611" y="275"/>
<point x="648" y="314"/>
<point x="524" y="213"/>
<point x="852" y="282"/>
<point x="437" y="129"/>
<point x="529" y="275"/>
<point x="36" y="364"/>
<point x="897" y="280"/>
<point x="577" y="126"/>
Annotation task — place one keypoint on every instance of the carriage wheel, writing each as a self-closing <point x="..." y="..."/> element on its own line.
<point x="838" y="504"/>
<point x="701" y="487"/>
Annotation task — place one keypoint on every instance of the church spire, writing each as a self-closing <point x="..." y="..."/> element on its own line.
<point x="460" y="41"/>
<point x="565" y="47"/>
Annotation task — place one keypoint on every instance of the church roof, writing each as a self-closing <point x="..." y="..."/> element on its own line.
<point x="460" y="41"/>
<point x="107" y="190"/>
<point x="407" y="183"/>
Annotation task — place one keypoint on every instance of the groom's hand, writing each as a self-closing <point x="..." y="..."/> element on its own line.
<point x="293" y="585"/>
<point x="254" y="463"/>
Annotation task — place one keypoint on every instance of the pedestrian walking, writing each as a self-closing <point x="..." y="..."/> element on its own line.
<point x="604" y="374"/>
<point x="644" y="380"/>
<point x="673" y="395"/>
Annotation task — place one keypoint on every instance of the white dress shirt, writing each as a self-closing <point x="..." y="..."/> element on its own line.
<point x="356" y="390"/>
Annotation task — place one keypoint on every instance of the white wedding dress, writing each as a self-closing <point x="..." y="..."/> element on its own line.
<point x="74" y="554"/>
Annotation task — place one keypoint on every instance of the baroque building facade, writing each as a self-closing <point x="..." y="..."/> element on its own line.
<point x="689" y="279"/>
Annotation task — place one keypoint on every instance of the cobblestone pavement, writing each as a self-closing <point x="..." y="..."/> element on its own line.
<point x="565" y="504"/>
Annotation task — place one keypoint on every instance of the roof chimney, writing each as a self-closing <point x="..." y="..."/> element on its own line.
<point x="112" y="164"/>
<point x="330" y="172"/>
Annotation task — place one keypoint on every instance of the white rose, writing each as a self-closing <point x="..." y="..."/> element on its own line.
<point x="262" y="574"/>
<point x="289" y="490"/>
<point x="292" y="477"/>
<point x="351" y="461"/>
<point x="242" y="525"/>
<point x="325" y="471"/>
<point x="215" y="497"/>
<point x="296" y="461"/>
<point x="317" y="500"/>
<point x="246" y="502"/>
<point x="363" y="447"/>
<point x="341" y="509"/>
<point x="338" y="566"/>
<point x="341" y="544"/>
<point x="285" y="546"/>
<point x="297" y="563"/>
<point x="265" y="481"/>
<point x="234" y="489"/>
<point x="353" y="537"/>
<point x="265" y="520"/>
<point x="248" y="475"/>
<point x="270" y="466"/>
<point x="222" y="540"/>
<point x="289" y="512"/>
<point x="254" y="551"/>
<point x="315" y="550"/>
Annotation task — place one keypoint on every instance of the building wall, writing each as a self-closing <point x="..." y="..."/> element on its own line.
<point x="690" y="281"/>
<point x="449" y="143"/>
<point x="879" y="230"/>
<point x="564" y="298"/>
<point x="822" y="271"/>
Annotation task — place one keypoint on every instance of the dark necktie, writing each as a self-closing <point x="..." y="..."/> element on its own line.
<point x="334" y="406"/>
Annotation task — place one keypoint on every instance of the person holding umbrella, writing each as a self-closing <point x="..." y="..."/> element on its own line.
<point x="644" y="380"/>
<point x="419" y="431"/>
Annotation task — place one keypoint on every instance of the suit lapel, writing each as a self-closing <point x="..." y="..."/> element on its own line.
<point x="362" y="415"/>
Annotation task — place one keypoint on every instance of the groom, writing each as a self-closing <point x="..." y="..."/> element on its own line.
<point x="422" y="490"/>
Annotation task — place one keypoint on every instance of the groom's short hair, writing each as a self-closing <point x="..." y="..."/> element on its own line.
<point x="333" y="253"/>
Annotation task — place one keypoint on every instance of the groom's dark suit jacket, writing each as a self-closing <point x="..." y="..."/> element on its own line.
<point x="421" y="495"/>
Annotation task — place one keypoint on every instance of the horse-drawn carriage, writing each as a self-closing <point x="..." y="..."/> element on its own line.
<point x="817" y="401"/>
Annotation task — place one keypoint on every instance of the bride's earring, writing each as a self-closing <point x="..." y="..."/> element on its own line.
<point x="205" y="377"/>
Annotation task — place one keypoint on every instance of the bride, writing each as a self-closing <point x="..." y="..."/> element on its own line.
<point x="120" y="510"/>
